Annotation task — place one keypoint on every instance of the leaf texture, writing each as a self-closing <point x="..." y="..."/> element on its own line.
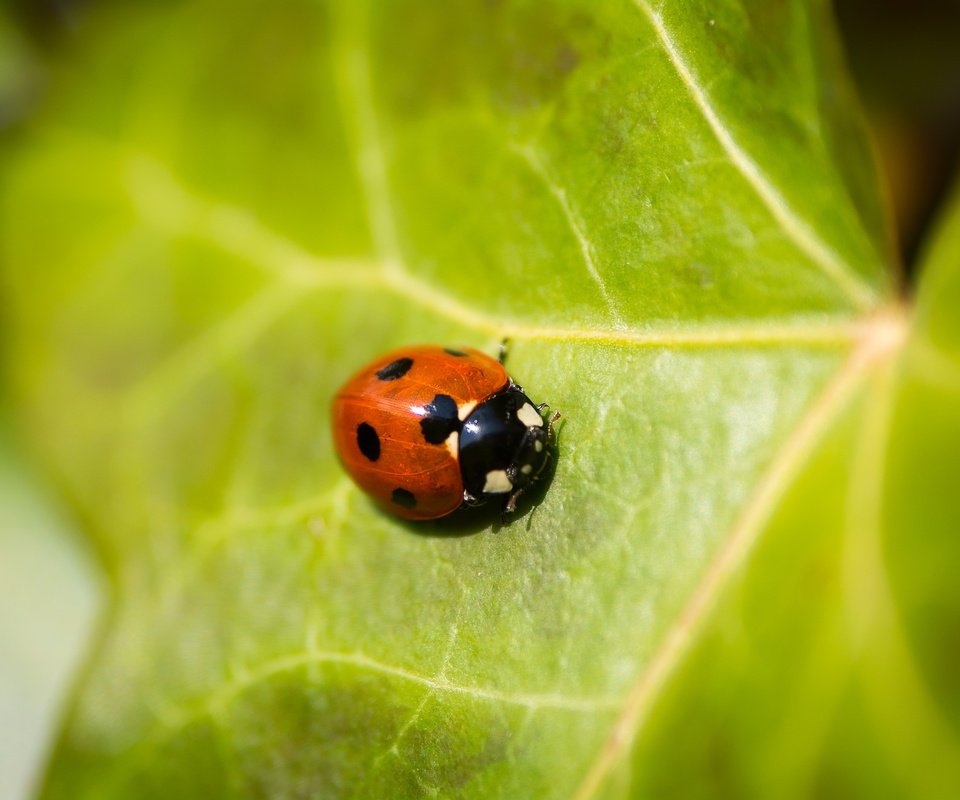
<point x="224" y="209"/>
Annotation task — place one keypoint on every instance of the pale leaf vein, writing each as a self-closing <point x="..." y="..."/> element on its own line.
<point x="533" y="160"/>
<point x="792" y="224"/>
<point x="887" y="337"/>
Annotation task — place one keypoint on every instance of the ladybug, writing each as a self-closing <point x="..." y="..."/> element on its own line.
<point x="427" y="429"/>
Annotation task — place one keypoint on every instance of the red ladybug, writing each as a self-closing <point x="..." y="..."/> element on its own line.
<point x="426" y="429"/>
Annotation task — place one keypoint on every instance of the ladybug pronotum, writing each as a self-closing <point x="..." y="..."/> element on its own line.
<point x="427" y="429"/>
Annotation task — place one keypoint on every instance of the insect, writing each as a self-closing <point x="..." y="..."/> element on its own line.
<point x="427" y="429"/>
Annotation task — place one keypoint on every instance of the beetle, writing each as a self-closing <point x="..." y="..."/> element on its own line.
<point x="427" y="429"/>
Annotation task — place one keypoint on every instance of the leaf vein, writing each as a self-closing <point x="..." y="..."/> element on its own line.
<point x="297" y="272"/>
<point x="886" y="338"/>
<point x="533" y="160"/>
<point x="248" y="679"/>
<point x="797" y="230"/>
<point x="360" y="111"/>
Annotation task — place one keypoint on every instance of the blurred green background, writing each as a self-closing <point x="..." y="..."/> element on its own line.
<point x="905" y="63"/>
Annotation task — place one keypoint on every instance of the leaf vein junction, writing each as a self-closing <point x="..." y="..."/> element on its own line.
<point x="239" y="232"/>
<point x="296" y="273"/>
<point x="887" y="338"/>
<point x="247" y="680"/>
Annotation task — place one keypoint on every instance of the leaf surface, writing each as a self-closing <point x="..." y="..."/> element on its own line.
<point x="225" y="209"/>
<point x="838" y="631"/>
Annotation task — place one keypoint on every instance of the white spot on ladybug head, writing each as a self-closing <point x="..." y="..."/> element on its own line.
<point x="497" y="482"/>
<point x="466" y="409"/>
<point x="526" y="469"/>
<point x="452" y="443"/>
<point x="529" y="416"/>
<point x="538" y="445"/>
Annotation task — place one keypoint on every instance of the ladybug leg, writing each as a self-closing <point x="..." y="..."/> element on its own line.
<point x="548" y="455"/>
<point x="504" y="347"/>
<point x="551" y="436"/>
<point x="511" y="505"/>
<point x="550" y="423"/>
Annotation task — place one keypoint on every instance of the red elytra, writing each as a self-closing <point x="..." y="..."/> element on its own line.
<point x="394" y="426"/>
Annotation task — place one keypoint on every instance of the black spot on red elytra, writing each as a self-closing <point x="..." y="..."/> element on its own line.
<point x="441" y="419"/>
<point x="395" y="369"/>
<point x="368" y="441"/>
<point x="403" y="497"/>
<point x="457" y="353"/>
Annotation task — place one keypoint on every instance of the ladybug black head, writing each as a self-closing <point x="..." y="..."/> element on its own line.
<point x="504" y="447"/>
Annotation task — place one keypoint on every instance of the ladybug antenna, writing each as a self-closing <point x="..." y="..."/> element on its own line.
<point x="504" y="348"/>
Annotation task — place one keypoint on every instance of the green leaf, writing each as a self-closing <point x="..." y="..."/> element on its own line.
<point x="224" y="209"/>
<point x="840" y="631"/>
